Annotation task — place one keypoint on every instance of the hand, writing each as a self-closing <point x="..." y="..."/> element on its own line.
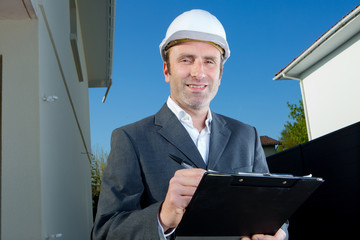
<point x="181" y="189"/>
<point x="279" y="235"/>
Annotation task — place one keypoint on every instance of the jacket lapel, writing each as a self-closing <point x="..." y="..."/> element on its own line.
<point x="220" y="135"/>
<point x="174" y="132"/>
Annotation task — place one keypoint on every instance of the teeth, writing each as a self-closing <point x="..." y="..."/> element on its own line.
<point x="196" y="86"/>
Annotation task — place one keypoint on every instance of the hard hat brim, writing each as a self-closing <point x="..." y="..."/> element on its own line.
<point x="199" y="36"/>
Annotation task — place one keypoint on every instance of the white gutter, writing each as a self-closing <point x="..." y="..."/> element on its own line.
<point x="284" y="76"/>
<point x="320" y="41"/>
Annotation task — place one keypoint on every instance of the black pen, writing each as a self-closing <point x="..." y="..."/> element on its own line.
<point x="180" y="161"/>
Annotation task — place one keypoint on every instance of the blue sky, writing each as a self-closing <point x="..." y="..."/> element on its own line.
<point x="264" y="36"/>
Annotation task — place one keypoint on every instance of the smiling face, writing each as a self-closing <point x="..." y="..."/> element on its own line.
<point x="194" y="74"/>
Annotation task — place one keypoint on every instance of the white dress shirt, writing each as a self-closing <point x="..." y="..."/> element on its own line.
<point x="201" y="140"/>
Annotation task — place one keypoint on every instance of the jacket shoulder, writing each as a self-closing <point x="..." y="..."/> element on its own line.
<point x="135" y="126"/>
<point x="231" y="122"/>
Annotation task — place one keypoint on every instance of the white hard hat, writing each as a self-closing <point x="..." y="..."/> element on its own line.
<point x="197" y="25"/>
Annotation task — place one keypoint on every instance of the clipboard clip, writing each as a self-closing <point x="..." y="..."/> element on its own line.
<point x="277" y="175"/>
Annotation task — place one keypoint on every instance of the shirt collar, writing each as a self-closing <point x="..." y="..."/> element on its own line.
<point x="183" y="116"/>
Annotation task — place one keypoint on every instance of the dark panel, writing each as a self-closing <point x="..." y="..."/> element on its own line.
<point x="289" y="161"/>
<point x="333" y="210"/>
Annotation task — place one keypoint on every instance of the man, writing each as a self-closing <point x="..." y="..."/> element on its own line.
<point x="144" y="193"/>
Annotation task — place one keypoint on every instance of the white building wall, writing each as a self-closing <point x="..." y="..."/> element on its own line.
<point x="20" y="170"/>
<point x="336" y="79"/>
<point x="46" y="178"/>
<point x="269" y="150"/>
<point x="65" y="131"/>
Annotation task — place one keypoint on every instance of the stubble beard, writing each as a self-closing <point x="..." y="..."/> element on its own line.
<point x="198" y="101"/>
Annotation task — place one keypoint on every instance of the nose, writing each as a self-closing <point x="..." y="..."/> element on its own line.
<point x="197" y="70"/>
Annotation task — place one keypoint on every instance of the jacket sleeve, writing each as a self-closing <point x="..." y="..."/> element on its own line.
<point x="120" y="214"/>
<point x="260" y="165"/>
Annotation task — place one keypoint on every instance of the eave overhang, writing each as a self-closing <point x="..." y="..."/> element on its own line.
<point x="97" y="20"/>
<point x="341" y="32"/>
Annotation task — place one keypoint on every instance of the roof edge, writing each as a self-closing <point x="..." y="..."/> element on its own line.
<point x="283" y="73"/>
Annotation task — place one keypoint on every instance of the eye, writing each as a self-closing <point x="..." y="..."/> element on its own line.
<point x="210" y="61"/>
<point x="185" y="60"/>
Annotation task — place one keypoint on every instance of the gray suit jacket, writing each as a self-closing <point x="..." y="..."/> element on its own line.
<point x="137" y="176"/>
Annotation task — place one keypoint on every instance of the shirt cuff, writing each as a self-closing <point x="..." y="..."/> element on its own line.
<point x="162" y="235"/>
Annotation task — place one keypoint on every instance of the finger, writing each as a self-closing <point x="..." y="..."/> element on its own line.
<point x="192" y="172"/>
<point x="280" y="234"/>
<point x="189" y="177"/>
<point x="263" y="237"/>
<point x="187" y="192"/>
<point x="259" y="237"/>
<point x="182" y="186"/>
<point x="180" y="196"/>
<point x="181" y="181"/>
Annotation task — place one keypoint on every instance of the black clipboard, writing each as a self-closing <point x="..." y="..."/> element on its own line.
<point x="227" y="206"/>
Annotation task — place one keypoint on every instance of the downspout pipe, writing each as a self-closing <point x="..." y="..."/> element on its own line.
<point x="284" y="76"/>
<point x="111" y="27"/>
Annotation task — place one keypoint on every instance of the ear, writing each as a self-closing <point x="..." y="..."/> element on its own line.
<point x="221" y="73"/>
<point x="166" y="72"/>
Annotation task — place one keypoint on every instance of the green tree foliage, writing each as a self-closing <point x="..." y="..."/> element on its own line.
<point x="98" y="164"/>
<point x="295" y="131"/>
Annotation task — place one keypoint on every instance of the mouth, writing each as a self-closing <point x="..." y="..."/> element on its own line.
<point x="196" y="86"/>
